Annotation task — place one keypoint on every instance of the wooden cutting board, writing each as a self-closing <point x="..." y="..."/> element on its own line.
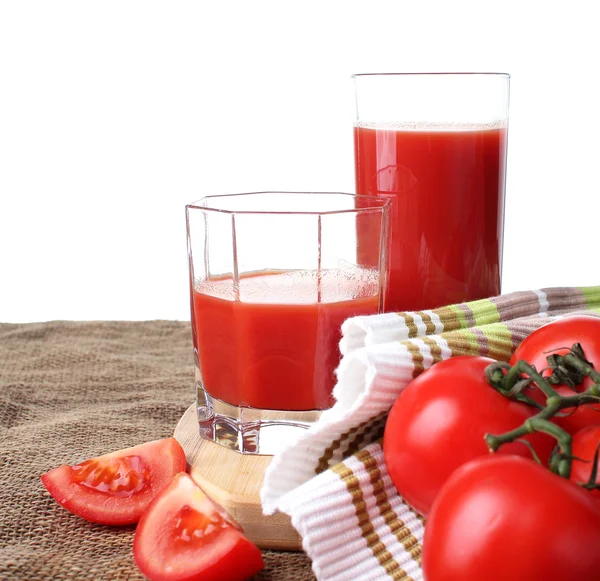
<point x="234" y="481"/>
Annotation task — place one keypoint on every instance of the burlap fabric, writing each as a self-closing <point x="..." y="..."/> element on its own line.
<point x="69" y="391"/>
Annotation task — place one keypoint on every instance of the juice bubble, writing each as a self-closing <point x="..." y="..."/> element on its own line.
<point x="295" y="286"/>
<point x="429" y="126"/>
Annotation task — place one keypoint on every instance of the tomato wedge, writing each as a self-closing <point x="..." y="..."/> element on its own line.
<point x="185" y="536"/>
<point x="115" y="489"/>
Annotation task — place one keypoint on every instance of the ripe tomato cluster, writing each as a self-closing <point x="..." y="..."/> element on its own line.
<point x="181" y="535"/>
<point x="504" y="515"/>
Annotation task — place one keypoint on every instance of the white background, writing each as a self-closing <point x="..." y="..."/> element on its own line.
<point x="115" y="114"/>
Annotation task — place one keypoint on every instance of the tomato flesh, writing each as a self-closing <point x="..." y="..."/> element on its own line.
<point x="439" y="422"/>
<point x="116" y="488"/>
<point x="123" y="476"/>
<point x="506" y="517"/>
<point x="185" y="536"/>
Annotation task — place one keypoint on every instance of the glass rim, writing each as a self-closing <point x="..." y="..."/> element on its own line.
<point x="432" y="74"/>
<point x="376" y="204"/>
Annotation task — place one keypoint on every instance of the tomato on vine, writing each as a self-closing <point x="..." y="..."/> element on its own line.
<point x="505" y="517"/>
<point x="584" y="449"/>
<point x="439" y="422"/>
<point x="558" y="337"/>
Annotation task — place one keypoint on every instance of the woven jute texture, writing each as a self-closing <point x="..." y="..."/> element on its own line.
<point x="70" y="391"/>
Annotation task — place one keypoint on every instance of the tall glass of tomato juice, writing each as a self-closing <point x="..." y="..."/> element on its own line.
<point x="435" y="145"/>
<point x="273" y="275"/>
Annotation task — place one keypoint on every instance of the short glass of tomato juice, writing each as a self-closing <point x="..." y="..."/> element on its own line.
<point x="273" y="275"/>
<point x="435" y="145"/>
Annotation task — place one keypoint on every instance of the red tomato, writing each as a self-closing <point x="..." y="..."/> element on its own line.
<point x="584" y="446"/>
<point x="506" y="517"/>
<point x="116" y="488"/>
<point x="185" y="536"/>
<point x="439" y="422"/>
<point x="558" y="337"/>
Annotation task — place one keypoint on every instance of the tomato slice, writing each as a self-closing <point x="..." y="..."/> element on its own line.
<point x="115" y="489"/>
<point x="185" y="536"/>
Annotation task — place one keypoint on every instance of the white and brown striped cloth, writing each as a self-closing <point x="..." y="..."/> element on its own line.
<point x="333" y="481"/>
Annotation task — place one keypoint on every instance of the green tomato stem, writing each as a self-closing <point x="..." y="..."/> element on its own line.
<point x="571" y="359"/>
<point x="531" y="426"/>
<point x="510" y="381"/>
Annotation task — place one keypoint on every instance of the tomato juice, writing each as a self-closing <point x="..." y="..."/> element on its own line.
<point x="272" y="341"/>
<point x="447" y="189"/>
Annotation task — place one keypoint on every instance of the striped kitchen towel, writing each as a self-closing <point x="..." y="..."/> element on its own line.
<point x="333" y="481"/>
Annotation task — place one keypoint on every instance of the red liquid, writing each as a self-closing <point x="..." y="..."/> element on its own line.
<point x="277" y="347"/>
<point x="446" y="218"/>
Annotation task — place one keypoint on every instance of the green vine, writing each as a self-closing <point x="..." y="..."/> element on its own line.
<point x="569" y="369"/>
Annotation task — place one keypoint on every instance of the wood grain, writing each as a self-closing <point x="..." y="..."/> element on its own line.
<point x="234" y="481"/>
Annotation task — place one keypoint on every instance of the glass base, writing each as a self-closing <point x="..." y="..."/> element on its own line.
<point x="249" y="430"/>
